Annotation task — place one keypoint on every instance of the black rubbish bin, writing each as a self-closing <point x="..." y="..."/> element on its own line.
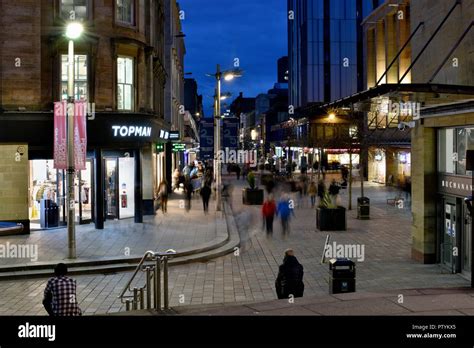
<point x="342" y="273"/>
<point x="363" y="208"/>
<point x="53" y="215"/>
<point x="45" y="204"/>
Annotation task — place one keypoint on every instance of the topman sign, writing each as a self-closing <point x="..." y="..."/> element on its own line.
<point x="131" y="131"/>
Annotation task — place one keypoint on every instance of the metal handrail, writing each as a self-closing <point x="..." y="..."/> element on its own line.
<point x="140" y="264"/>
<point x="153" y="279"/>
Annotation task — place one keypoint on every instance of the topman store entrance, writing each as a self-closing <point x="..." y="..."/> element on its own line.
<point x="123" y="169"/>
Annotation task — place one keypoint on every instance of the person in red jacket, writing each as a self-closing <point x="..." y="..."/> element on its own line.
<point x="268" y="213"/>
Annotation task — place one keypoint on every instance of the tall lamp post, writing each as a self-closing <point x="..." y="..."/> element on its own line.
<point x="228" y="75"/>
<point x="73" y="32"/>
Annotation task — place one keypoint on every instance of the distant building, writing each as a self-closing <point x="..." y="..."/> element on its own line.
<point x="325" y="50"/>
<point x="194" y="112"/>
<point x="174" y="90"/>
<point x="192" y="100"/>
<point x="283" y="70"/>
<point x="244" y="109"/>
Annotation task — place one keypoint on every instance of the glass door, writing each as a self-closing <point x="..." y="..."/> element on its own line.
<point x="111" y="188"/>
<point x="84" y="194"/>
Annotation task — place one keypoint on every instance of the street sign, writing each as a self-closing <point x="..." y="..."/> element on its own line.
<point x="179" y="147"/>
<point x="174" y="135"/>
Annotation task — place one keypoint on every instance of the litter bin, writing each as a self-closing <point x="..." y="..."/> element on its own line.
<point x="53" y="215"/>
<point x="341" y="276"/>
<point x="363" y="208"/>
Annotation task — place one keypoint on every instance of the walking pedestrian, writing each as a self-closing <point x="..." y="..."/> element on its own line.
<point x="289" y="281"/>
<point x="176" y="181"/>
<point x="188" y="191"/>
<point x="237" y="171"/>
<point x="284" y="210"/>
<point x="206" y="194"/>
<point x="312" y="191"/>
<point x="60" y="297"/>
<point x="163" y="193"/>
<point x="268" y="213"/>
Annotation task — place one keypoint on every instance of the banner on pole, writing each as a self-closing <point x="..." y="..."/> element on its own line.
<point x="60" y="135"/>
<point x="61" y="110"/>
<point x="80" y="135"/>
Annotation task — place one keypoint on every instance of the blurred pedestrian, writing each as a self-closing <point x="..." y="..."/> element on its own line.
<point x="163" y="194"/>
<point x="188" y="191"/>
<point x="176" y="181"/>
<point x="206" y="194"/>
<point x="312" y="191"/>
<point x="268" y="213"/>
<point x="60" y="298"/>
<point x="237" y="171"/>
<point x="289" y="281"/>
<point x="284" y="210"/>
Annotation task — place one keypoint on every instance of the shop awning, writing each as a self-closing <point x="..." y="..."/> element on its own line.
<point x="427" y="95"/>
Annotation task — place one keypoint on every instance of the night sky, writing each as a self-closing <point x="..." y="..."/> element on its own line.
<point x="217" y="31"/>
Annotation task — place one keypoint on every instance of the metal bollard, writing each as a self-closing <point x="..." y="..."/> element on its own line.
<point x="148" y="287"/>
<point x="165" y="281"/>
<point x="157" y="275"/>
<point x="142" y="298"/>
<point x="135" y="299"/>
<point x="127" y="305"/>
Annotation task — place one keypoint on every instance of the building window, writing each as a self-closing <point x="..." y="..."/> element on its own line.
<point x="74" y="9"/>
<point x="125" y="11"/>
<point x="125" y="88"/>
<point x="80" y="76"/>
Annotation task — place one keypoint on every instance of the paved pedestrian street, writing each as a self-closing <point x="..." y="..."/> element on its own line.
<point x="249" y="274"/>
<point x="125" y="238"/>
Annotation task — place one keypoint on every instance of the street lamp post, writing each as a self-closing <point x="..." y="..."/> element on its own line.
<point x="218" y="138"/>
<point x="228" y="76"/>
<point x="73" y="31"/>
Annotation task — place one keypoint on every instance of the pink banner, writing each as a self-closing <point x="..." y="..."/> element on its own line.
<point x="80" y="135"/>
<point x="60" y="135"/>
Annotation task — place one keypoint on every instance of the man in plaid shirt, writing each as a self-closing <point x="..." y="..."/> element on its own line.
<point x="60" y="294"/>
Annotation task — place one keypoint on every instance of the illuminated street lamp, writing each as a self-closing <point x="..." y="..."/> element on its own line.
<point x="228" y="75"/>
<point x="73" y="31"/>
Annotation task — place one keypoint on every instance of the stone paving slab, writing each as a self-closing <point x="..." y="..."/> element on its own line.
<point x="177" y="229"/>
<point x="250" y="275"/>
<point x="373" y="306"/>
<point x="438" y="302"/>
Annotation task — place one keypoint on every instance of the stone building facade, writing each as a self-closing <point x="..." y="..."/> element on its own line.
<point x="441" y="231"/>
<point x="119" y="69"/>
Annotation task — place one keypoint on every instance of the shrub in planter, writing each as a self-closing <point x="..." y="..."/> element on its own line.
<point x="329" y="216"/>
<point x="252" y="195"/>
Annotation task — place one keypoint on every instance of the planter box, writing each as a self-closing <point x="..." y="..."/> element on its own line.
<point x="252" y="197"/>
<point x="331" y="219"/>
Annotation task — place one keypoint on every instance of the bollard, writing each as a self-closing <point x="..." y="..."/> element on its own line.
<point x="157" y="275"/>
<point x="148" y="287"/>
<point x="165" y="282"/>
<point x="127" y="305"/>
<point x="135" y="299"/>
<point x="142" y="298"/>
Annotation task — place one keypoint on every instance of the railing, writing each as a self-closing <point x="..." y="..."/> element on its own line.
<point x="152" y="263"/>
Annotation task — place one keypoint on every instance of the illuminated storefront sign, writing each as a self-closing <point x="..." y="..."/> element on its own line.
<point x="131" y="131"/>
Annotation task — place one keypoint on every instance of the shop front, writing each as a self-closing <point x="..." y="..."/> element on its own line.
<point x="453" y="209"/>
<point x="454" y="223"/>
<point x="123" y="170"/>
<point x="389" y="166"/>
